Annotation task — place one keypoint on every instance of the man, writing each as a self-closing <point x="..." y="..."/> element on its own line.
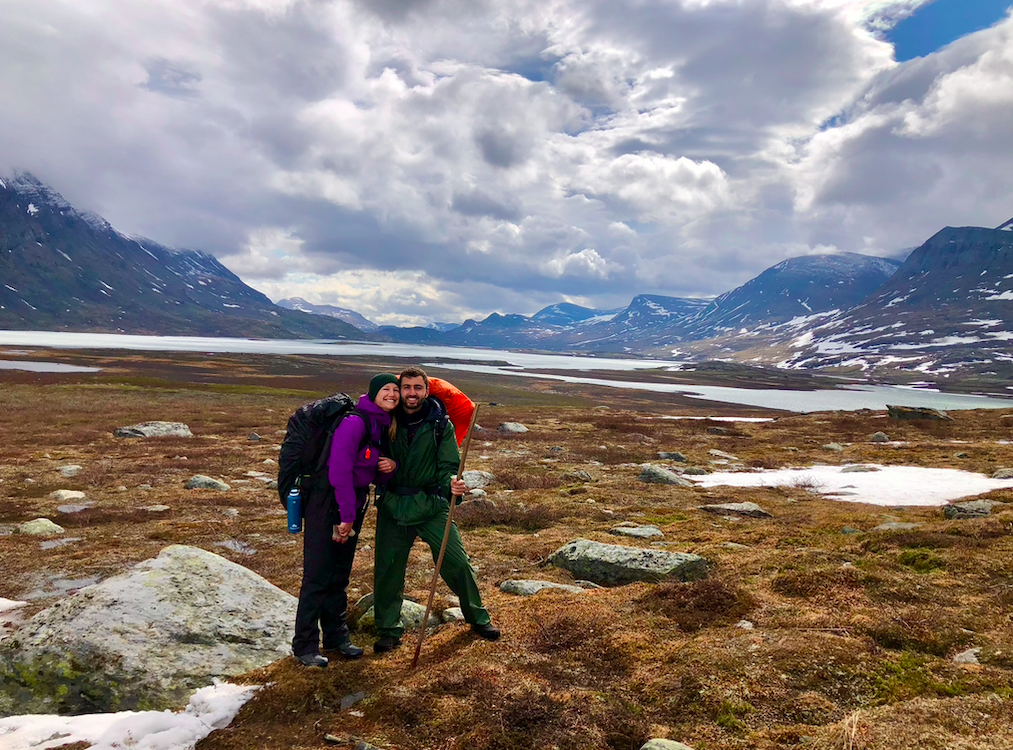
<point x="415" y="504"/>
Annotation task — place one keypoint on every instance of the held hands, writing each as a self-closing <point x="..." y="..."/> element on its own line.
<point x="458" y="487"/>
<point x="386" y="465"/>
<point x="342" y="533"/>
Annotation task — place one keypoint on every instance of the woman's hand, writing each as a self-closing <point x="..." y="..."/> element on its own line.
<point x="342" y="533"/>
<point x="458" y="487"/>
<point x="386" y="465"/>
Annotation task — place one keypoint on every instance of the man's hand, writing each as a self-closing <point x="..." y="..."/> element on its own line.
<point x="342" y="533"/>
<point x="458" y="487"/>
<point x="386" y="465"/>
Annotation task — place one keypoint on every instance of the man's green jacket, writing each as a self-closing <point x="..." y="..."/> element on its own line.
<point x="420" y="487"/>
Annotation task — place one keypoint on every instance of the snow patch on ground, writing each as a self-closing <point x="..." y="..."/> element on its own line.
<point x="6" y="604"/>
<point x="890" y="485"/>
<point x="209" y="708"/>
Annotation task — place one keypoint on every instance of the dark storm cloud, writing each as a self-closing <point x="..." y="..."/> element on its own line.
<point x="172" y="78"/>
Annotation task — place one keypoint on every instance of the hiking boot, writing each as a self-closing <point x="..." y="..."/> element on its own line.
<point x="346" y="648"/>
<point x="313" y="660"/>
<point x="486" y="631"/>
<point x="385" y="644"/>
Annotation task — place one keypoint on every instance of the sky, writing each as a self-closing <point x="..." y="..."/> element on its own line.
<point x="434" y="160"/>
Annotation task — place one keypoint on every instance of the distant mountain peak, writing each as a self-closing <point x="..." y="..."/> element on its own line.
<point x="331" y="311"/>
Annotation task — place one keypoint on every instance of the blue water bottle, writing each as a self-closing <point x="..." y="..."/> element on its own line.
<point x="294" y="505"/>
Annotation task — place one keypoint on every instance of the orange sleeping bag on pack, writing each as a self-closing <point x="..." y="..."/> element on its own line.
<point x="459" y="407"/>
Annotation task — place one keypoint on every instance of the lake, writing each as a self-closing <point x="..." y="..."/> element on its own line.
<point x="844" y="397"/>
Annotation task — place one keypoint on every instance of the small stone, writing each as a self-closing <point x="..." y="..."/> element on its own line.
<point x="896" y="526"/>
<point x="581" y="475"/>
<point x="71" y="508"/>
<point x="254" y="436"/>
<point x="970" y="656"/>
<point x="834" y="447"/>
<point x="969" y="509"/>
<point x="350" y="700"/>
<point x="858" y="469"/>
<point x="153" y="429"/>
<point x="744" y="624"/>
<point x="722" y="454"/>
<point x="672" y="456"/>
<point x="142" y="487"/>
<point x="665" y="745"/>
<point x="122" y="488"/>
<point x="734" y="545"/>
<point x="1003" y="474"/>
<point x="237" y="546"/>
<point x="556" y="449"/>
<point x="741" y="509"/>
<point x="879" y="437"/>
<point x="231" y="512"/>
<point x="62" y="496"/>
<point x="201" y="482"/>
<point x="515" y="428"/>
<point x="452" y="614"/>
<point x="54" y="543"/>
<point x="695" y="471"/>
<point x="850" y="530"/>
<point x="916" y="412"/>
<point x="38" y="527"/>
<point x="476" y="493"/>
<point x="962" y="454"/>
<point x="530" y="588"/>
<point x="70" y="470"/>
<point x="637" y="532"/>
<point x="156" y="508"/>
<point x="718" y="430"/>
<point x="659" y="475"/>
<point x="270" y="462"/>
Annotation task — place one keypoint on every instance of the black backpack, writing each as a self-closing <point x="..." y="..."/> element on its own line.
<point x="304" y="452"/>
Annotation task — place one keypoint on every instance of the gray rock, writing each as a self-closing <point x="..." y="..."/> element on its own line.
<point x="62" y="496"/>
<point x="879" y="437"/>
<point x="637" y="532"/>
<point x="744" y="624"/>
<point x="70" y="470"/>
<point x="734" y="545"/>
<point x="718" y="430"/>
<point x="477" y="494"/>
<point x="411" y="617"/>
<point x="897" y="526"/>
<point x="452" y="614"/>
<point x="1003" y="474"/>
<point x="969" y="509"/>
<point x="665" y="745"/>
<point x="858" y="469"/>
<point x="695" y="471"/>
<point x="201" y="482"/>
<point x="153" y="429"/>
<point x="916" y="412"/>
<point x="237" y="546"/>
<point x="660" y="475"/>
<point x="38" y="527"/>
<point x="556" y="449"/>
<point x="580" y="475"/>
<point x="961" y="454"/>
<point x="254" y="436"/>
<point x="833" y="447"/>
<point x="847" y="530"/>
<point x="611" y="564"/>
<point x="156" y="508"/>
<point x="70" y="509"/>
<point x="530" y="588"/>
<point x="515" y="428"/>
<point x="477" y="479"/>
<point x="672" y="456"/>
<point x="740" y="509"/>
<point x="54" y="543"/>
<point x="970" y="656"/>
<point x="147" y="638"/>
<point x="350" y="700"/>
<point x="230" y="512"/>
<point x="722" y="454"/>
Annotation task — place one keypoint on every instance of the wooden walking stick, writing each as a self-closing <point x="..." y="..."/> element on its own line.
<point x="446" y="536"/>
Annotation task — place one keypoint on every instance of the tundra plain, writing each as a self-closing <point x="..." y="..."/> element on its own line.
<point x="852" y="635"/>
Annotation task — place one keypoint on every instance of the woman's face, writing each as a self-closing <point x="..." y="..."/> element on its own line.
<point x="387" y="397"/>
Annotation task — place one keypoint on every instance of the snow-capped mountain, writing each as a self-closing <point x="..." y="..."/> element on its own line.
<point x="792" y="288"/>
<point x="63" y="269"/>
<point x="341" y="313"/>
<point x="949" y="306"/>
<point x="568" y="314"/>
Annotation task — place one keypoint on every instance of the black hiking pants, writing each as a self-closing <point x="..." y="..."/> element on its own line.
<point x="323" y="598"/>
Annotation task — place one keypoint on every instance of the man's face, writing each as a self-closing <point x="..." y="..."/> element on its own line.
<point x="413" y="392"/>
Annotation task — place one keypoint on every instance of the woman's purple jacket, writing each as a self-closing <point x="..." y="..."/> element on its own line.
<point x="348" y="467"/>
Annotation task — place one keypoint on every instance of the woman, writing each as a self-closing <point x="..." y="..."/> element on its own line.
<point x="333" y="520"/>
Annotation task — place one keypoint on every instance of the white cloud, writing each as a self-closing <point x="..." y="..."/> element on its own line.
<point x="395" y="141"/>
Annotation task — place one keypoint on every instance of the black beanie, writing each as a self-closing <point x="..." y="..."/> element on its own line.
<point x="378" y="382"/>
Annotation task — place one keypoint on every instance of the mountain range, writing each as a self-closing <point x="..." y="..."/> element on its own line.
<point x="947" y="307"/>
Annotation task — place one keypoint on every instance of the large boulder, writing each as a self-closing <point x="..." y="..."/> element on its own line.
<point x="637" y="532"/>
<point x="969" y="509"/>
<point x="515" y="428"/>
<point x="38" y="527"/>
<point x="530" y="588"/>
<point x="201" y="482"/>
<point x="916" y="412"/>
<point x="147" y="638"/>
<point x="660" y="475"/>
<point x="153" y="429"/>
<point x="612" y="564"/>
<point x="738" y="509"/>
<point x="475" y="479"/>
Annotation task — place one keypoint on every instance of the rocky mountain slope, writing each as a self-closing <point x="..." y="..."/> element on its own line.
<point x="949" y="306"/>
<point x="62" y="269"/>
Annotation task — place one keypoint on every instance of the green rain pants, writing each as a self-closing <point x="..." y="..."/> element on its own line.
<point x="393" y="545"/>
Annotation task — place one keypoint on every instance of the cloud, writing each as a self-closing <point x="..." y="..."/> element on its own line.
<point x="535" y="151"/>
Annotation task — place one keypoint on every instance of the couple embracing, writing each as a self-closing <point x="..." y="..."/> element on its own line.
<point x="400" y="439"/>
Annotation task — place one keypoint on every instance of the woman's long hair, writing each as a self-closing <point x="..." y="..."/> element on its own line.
<point x="392" y="430"/>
